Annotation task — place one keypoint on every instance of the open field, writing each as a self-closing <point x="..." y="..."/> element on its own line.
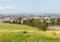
<point x="7" y="26"/>
<point x="14" y="33"/>
<point x="39" y="36"/>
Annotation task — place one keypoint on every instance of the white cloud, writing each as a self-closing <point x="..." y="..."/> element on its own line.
<point x="9" y="9"/>
<point x="6" y="8"/>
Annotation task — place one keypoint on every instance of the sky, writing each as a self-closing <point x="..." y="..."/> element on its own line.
<point x="29" y="6"/>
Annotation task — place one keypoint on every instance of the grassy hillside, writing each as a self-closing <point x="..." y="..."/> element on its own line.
<point x="29" y="37"/>
<point x="8" y="26"/>
<point x="19" y="36"/>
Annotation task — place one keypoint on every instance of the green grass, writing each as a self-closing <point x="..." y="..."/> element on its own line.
<point x="29" y="37"/>
<point x="4" y="26"/>
<point x="35" y="36"/>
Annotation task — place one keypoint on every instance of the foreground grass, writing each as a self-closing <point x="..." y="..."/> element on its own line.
<point x="13" y="33"/>
<point x="37" y="36"/>
<point x="8" y="26"/>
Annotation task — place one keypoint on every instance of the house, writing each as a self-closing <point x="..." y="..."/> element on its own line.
<point x="2" y="19"/>
<point x="6" y="19"/>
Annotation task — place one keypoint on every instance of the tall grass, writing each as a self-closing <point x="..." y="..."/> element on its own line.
<point x="35" y="36"/>
<point x="29" y="37"/>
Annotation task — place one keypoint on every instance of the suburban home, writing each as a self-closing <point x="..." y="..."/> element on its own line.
<point x="4" y="19"/>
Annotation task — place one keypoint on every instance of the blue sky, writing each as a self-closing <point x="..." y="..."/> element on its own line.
<point x="29" y="6"/>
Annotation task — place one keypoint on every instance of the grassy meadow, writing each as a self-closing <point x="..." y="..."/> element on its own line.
<point x="20" y="36"/>
<point x="29" y="37"/>
<point x="8" y="26"/>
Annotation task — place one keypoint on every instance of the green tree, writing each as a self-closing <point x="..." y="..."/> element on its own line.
<point x="52" y="21"/>
<point x="25" y="22"/>
<point x="19" y="20"/>
<point x="44" y="25"/>
<point x="58" y="21"/>
<point x="36" y="23"/>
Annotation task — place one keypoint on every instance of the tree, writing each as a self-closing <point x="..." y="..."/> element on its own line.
<point x="41" y="25"/>
<point x="52" y="21"/>
<point x="25" y="22"/>
<point x="28" y="22"/>
<point x="36" y="23"/>
<point x="44" y="25"/>
<point x="58" y="21"/>
<point x="19" y="20"/>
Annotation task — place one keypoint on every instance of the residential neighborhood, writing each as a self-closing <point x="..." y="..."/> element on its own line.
<point x="14" y="17"/>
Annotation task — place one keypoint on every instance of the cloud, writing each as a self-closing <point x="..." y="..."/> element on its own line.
<point x="9" y="9"/>
<point x="6" y="8"/>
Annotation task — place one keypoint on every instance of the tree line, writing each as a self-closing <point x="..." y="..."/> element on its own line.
<point x="41" y="24"/>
